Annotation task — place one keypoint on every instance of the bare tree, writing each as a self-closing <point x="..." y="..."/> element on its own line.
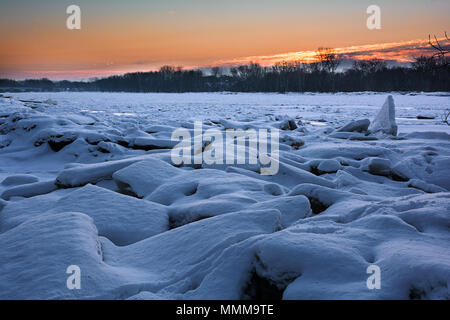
<point x="425" y="64"/>
<point x="328" y="59"/>
<point x="370" y="66"/>
<point x="167" y="69"/>
<point x="285" y="66"/>
<point x="441" y="51"/>
<point x="440" y="55"/>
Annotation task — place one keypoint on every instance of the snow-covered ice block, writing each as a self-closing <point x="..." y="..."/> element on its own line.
<point x="194" y="210"/>
<point x="292" y="140"/>
<point x="153" y="144"/>
<point x="80" y="119"/>
<point x="427" y="187"/>
<point x="384" y="122"/>
<point x="183" y="256"/>
<point x="110" y="147"/>
<point x="292" y="208"/>
<point x="92" y="173"/>
<point x="416" y="167"/>
<point x="356" y="126"/>
<point x="377" y="185"/>
<point x="16" y="212"/>
<point x="346" y="149"/>
<point x="207" y="184"/>
<point x="50" y="101"/>
<point x="326" y="257"/>
<point x="329" y="166"/>
<point x="122" y="219"/>
<point x="378" y="166"/>
<point x="353" y="136"/>
<point x="320" y="197"/>
<point x="287" y="176"/>
<point x="145" y="176"/>
<point x="288" y="124"/>
<point x="35" y="255"/>
<point x="30" y="190"/>
<point x="19" y="179"/>
<point x="229" y="124"/>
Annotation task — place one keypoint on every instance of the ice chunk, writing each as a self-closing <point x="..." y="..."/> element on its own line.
<point x="329" y="166"/>
<point x="288" y="124"/>
<point x="147" y="144"/>
<point x="379" y="166"/>
<point x="16" y="212"/>
<point x="30" y="190"/>
<point x="50" y="101"/>
<point x="124" y="220"/>
<point x="288" y="176"/>
<point x="186" y="253"/>
<point x="356" y="126"/>
<point x="92" y="173"/>
<point x="416" y="167"/>
<point x="292" y="208"/>
<point x="19" y="179"/>
<point x="145" y="176"/>
<point x="34" y="258"/>
<point x="426" y="187"/>
<point x="385" y="120"/>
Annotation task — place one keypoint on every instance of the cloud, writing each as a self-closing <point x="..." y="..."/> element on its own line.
<point x="393" y="52"/>
<point x="402" y="52"/>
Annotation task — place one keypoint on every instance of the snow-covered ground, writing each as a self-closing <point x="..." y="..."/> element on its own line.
<point x="86" y="179"/>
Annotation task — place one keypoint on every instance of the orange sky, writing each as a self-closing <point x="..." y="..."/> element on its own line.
<point x="138" y="35"/>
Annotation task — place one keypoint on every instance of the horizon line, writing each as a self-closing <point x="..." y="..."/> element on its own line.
<point x="400" y="52"/>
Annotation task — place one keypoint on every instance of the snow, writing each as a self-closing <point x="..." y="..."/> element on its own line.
<point x="329" y="166"/>
<point x="122" y="219"/>
<point x="143" y="177"/>
<point x="91" y="173"/>
<point x="87" y="179"/>
<point x="19" y="179"/>
<point x="29" y="190"/>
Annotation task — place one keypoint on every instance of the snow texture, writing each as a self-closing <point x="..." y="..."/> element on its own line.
<point x="87" y="180"/>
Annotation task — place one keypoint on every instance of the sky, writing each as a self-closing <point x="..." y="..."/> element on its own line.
<point x="118" y="36"/>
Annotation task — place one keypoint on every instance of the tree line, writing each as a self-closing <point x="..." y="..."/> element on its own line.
<point x="426" y="73"/>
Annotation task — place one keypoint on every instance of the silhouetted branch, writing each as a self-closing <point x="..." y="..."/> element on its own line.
<point x="437" y="46"/>
<point x="446" y="116"/>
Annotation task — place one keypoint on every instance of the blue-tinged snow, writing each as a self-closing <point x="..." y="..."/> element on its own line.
<point x="86" y="179"/>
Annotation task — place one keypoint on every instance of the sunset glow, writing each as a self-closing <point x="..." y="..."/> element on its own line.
<point x="118" y="37"/>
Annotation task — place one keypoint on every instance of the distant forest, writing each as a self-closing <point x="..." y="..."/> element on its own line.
<point x="424" y="74"/>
